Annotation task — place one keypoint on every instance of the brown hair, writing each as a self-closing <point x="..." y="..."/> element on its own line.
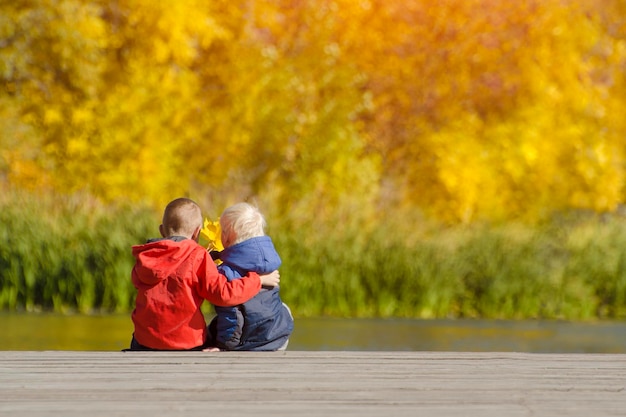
<point x="182" y="217"/>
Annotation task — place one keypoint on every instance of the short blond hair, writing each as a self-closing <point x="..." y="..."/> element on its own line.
<point x="182" y="217"/>
<point x="240" y="222"/>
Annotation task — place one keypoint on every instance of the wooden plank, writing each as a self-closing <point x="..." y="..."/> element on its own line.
<point x="294" y="383"/>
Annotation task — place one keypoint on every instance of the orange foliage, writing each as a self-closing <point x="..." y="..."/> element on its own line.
<point x="488" y="109"/>
<point x="465" y="109"/>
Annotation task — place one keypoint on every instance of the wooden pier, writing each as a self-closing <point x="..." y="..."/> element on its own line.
<point x="300" y="383"/>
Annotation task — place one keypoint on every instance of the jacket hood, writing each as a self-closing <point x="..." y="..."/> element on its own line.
<point x="160" y="258"/>
<point x="256" y="254"/>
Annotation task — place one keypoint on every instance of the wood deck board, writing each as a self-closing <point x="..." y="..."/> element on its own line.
<point x="67" y="383"/>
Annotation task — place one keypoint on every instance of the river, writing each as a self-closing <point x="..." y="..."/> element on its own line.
<point x="112" y="332"/>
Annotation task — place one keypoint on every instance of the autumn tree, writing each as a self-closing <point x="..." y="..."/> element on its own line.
<point x="50" y="69"/>
<point x="491" y="109"/>
<point x="463" y="109"/>
<point x="283" y="121"/>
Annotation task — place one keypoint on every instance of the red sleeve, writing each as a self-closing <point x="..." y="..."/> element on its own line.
<point x="217" y="290"/>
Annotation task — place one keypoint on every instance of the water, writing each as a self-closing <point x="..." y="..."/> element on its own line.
<point x="112" y="332"/>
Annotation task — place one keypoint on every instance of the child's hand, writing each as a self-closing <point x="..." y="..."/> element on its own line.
<point x="270" y="280"/>
<point x="211" y="349"/>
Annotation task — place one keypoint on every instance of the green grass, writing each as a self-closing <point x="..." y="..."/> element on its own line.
<point x="573" y="269"/>
<point x="67" y="254"/>
<point x="74" y="254"/>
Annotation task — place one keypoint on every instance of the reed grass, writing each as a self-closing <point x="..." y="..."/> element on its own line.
<point x="571" y="268"/>
<point x="74" y="254"/>
<point x="67" y="253"/>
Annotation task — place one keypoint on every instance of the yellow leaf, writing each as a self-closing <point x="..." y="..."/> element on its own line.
<point x="212" y="233"/>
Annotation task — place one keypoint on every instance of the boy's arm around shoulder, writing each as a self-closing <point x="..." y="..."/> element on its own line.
<point x="217" y="290"/>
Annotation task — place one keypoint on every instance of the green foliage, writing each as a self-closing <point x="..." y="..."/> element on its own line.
<point x="510" y="271"/>
<point x="68" y="253"/>
<point x="73" y="253"/>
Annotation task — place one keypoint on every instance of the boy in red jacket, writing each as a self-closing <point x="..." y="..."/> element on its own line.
<point x="173" y="276"/>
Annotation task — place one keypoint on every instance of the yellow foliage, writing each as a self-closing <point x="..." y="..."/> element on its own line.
<point x="491" y="109"/>
<point x="464" y="109"/>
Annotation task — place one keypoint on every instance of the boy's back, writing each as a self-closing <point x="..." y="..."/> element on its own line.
<point x="167" y="313"/>
<point x="264" y="322"/>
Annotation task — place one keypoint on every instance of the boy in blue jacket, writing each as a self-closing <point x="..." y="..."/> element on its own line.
<point x="264" y="323"/>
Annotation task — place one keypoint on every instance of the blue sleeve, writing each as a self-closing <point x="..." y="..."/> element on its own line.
<point x="229" y="319"/>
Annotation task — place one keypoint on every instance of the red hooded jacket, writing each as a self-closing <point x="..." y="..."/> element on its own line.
<point x="173" y="278"/>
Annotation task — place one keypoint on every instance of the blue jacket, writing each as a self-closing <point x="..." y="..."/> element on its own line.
<point x="264" y="322"/>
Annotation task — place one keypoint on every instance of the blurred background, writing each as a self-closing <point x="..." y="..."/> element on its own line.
<point x="461" y="161"/>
